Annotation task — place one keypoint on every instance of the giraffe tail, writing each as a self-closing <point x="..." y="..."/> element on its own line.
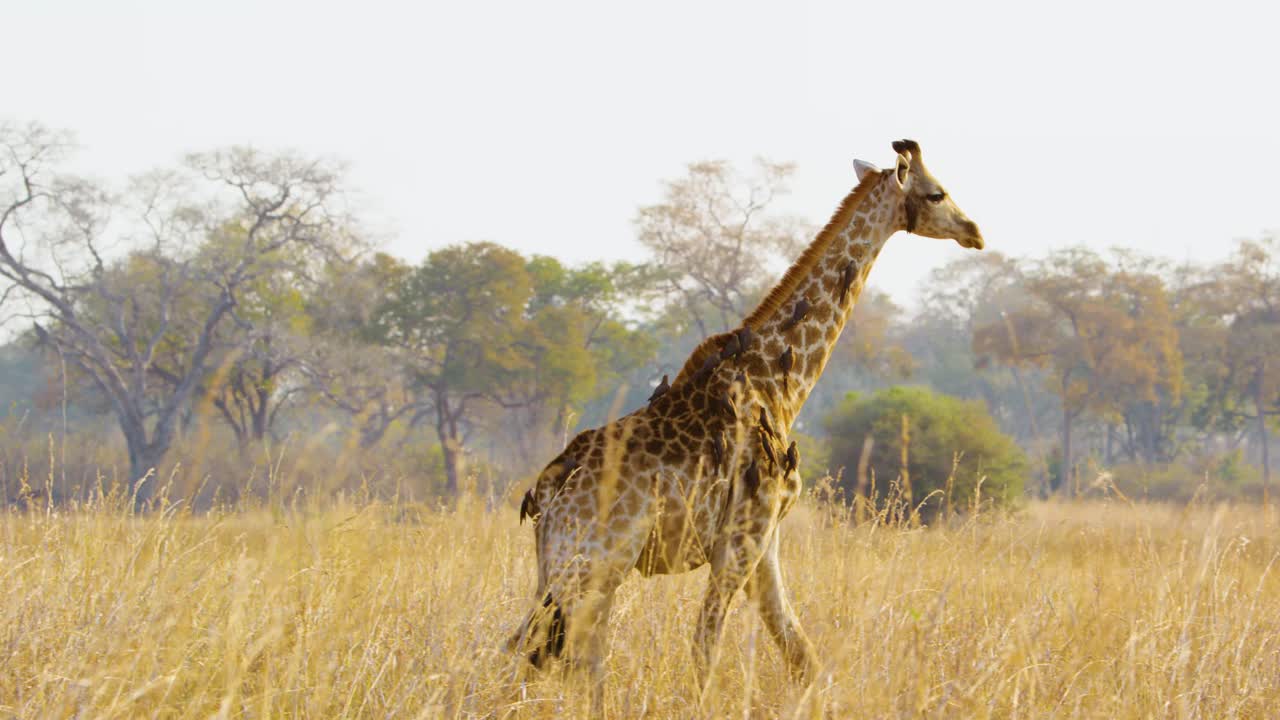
<point x="549" y="483"/>
<point x="529" y="507"/>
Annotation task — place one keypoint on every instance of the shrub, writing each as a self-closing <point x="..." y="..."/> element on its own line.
<point x="1213" y="476"/>
<point x="948" y="439"/>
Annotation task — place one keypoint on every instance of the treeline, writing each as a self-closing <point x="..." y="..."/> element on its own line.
<point x="1119" y="363"/>
<point x="235" y="302"/>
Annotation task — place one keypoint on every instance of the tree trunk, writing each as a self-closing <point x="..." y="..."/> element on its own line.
<point x="1111" y="443"/>
<point x="1150" y="433"/>
<point x="144" y="461"/>
<point x="375" y="426"/>
<point x="450" y="446"/>
<point x="1262" y="440"/>
<point x="451" y="462"/>
<point x="1064" y="473"/>
<point x="260" y="415"/>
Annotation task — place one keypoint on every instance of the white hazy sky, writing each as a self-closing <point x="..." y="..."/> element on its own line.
<point x="545" y="125"/>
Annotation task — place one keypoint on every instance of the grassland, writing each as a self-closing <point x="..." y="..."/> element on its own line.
<point x="374" y="610"/>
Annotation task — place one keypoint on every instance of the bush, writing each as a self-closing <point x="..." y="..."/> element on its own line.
<point x="948" y="439"/>
<point x="1212" y="476"/>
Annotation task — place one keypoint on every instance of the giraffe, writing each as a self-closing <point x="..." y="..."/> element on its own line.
<point x="703" y="473"/>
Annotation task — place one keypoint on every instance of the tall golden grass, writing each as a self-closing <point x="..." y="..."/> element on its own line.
<point x="371" y="609"/>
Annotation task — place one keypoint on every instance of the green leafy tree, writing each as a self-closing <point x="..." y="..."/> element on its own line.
<point x="478" y="342"/>
<point x="579" y="343"/>
<point x="951" y="446"/>
<point x="457" y="319"/>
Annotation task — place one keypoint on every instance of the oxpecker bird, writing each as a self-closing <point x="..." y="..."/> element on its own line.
<point x="786" y="362"/>
<point x="730" y="349"/>
<point x="661" y="390"/>
<point x="798" y="313"/>
<point x="846" y="280"/>
<point x="751" y="478"/>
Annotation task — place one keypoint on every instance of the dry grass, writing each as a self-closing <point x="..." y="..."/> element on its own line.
<point x="370" y="610"/>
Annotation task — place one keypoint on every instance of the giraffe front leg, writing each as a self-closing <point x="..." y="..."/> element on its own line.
<point x="766" y="590"/>
<point x="723" y="582"/>
<point x="733" y="558"/>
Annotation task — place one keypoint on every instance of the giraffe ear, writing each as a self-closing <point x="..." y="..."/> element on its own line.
<point x="903" y="169"/>
<point x="864" y="168"/>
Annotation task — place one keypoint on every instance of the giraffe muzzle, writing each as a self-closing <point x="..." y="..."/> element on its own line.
<point x="972" y="238"/>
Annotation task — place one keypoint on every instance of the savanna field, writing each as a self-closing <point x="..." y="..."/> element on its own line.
<point x="374" y="609"/>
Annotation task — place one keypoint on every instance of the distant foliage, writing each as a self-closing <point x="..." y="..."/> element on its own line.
<point x="1104" y="335"/>
<point x="233" y="304"/>
<point x="943" y="434"/>
<point x="718" y="235"/>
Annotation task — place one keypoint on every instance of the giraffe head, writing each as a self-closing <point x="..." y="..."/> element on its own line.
<point x="927" y="209"/>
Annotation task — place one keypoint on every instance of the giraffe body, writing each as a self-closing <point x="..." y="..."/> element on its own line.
<point x="704" y="473"/>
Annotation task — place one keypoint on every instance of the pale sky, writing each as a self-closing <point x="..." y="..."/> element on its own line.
<point x="543" y="126"/>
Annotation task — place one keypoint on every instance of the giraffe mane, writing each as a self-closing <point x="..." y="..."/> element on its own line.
<point x="790" y="280"/>
<point x="699" y="355"/>
<point x="811" y="255"/>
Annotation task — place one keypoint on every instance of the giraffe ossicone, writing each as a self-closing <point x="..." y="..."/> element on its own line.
<point x="693" y="477"/>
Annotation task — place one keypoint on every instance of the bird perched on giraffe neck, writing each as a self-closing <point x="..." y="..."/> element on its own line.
<point x="661" y="390"/>
<point x="793" y="456"/>
<point x="786" y="361"/>
<point x="846" y="280"/>
<point x="798" y="313"/>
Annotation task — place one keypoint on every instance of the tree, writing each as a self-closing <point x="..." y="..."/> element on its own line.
<point x="56" y="249"/>
<point x="456" y="319"/>
<point x="494" y="339"/>
<point x="578" y="345"/>
<point x="715" y="236"/>
<point x="257" y="355"/>
<point x="1106" y="339"/>
<point x="1146" y="376"/>
<point x="265" y="346"/>
<point x="952" y="444"/>
<point x="872" y="338"/>
<point x="348" y="363"/>
<point x="969" y="292"/>
<point x="1239" y="348"/>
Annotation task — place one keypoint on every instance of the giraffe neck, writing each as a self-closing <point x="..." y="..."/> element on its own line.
<point x="849" y="246"/>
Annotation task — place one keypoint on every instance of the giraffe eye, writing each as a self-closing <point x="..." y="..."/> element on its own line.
<point x="935" y="197"/>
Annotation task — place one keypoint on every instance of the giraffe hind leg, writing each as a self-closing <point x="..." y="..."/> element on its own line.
<point x="552" y="643"/>
<point x="541" y="635"/>
<point x="583" y="555"/>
